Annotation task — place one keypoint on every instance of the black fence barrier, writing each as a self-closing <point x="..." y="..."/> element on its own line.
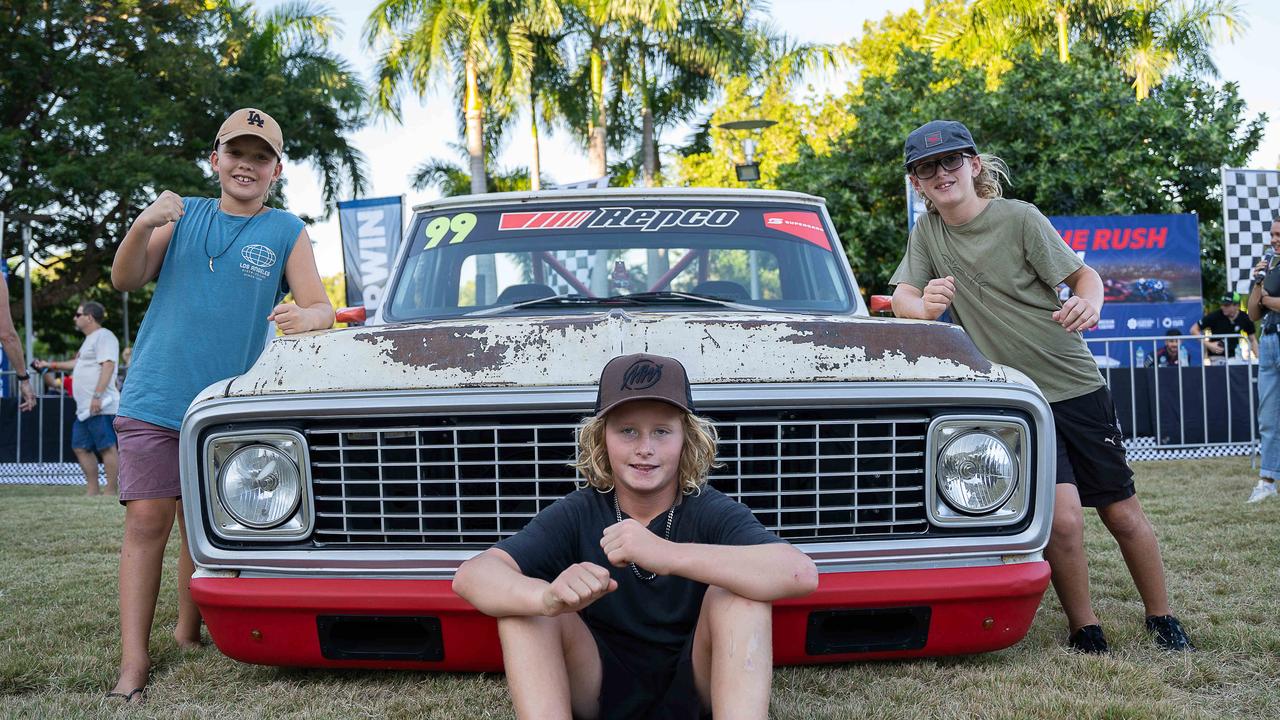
<point x="40" y="435"/>
<point x="1197" y="405"/>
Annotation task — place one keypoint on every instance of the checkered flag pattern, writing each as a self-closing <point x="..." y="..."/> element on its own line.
<point x="577" y="262"/>
<point x="1250" y="201"/>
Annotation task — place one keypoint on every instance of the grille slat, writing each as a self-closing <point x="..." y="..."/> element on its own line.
<point x="472" y="480"/>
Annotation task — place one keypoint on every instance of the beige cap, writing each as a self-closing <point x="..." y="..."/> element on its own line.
<point x="252" y="121"/>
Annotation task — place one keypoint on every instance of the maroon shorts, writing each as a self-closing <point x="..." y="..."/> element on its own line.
<point x="148" y="460"/>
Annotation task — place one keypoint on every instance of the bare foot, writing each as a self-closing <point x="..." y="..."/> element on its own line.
<point x="186" y="642"/>
<point x="132" y="683"/>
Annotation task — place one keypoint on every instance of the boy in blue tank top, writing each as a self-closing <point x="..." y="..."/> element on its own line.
<point x="222" y="266"/>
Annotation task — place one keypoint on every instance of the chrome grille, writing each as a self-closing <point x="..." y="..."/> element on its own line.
<point x="807" y="475"/>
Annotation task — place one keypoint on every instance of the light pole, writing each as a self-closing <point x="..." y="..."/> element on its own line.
<point x="26" y="219"/>
<point x="747" y="171"/>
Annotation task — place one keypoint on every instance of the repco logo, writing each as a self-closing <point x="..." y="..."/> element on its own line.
<point x="641" y="375"/>
<point x="652" y="219"/>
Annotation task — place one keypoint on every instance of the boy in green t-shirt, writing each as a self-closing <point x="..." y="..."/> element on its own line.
<point x="995" y="263"/>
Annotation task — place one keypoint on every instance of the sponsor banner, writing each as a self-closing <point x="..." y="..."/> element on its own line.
<point x="804" y="225"/>
<point x="437" y="231"/>
<point x="370" y="238"/>
<point x="1150" y="269"/>
<point x="623" y="218"/>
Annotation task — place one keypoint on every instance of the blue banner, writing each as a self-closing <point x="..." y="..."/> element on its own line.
<point x="371" y="231"/>
<point x="1150" y="268"/>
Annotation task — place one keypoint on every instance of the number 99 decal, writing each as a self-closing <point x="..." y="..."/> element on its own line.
<point x="460" y="225"/>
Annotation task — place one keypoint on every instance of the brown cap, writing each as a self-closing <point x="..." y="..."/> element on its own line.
<point x="252" y="121"/>
<point x="643" y="377"/>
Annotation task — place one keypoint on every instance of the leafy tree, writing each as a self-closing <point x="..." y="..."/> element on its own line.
<point x="104" y="104"/>
<point x="1077" y="142"/>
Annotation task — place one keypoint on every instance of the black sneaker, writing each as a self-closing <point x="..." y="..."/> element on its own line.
<point x="1089" y="639"/>
<point x="1169" y="633"/>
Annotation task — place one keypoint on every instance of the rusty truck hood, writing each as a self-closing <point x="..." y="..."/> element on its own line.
<point x="570" y="350"/>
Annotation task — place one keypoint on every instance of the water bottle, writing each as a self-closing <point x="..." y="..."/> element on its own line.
<point x="1141" y="356"/>
<point x="1182" y="355"/>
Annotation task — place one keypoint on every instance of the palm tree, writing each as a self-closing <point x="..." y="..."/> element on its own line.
<point x="287" y="49"/>
<point x="673" y="55"/>
<point x="1148" y="38"/>
<point x="420" y="39"/>
<point x="1158" y="36"/>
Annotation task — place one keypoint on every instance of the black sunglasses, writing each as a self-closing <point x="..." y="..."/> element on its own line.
<point x="929" y="168"/>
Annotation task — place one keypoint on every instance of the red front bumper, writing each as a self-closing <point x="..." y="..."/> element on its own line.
<point x="275" y="621"/>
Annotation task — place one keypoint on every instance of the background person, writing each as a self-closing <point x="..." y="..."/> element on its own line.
<point x="12" y="345"/>
<point x="93" y="375"/>
<point x="1264" y="306"/>
<point x="995" y="263"/>
<point x="1167" y="355"/>
<point x="207" y="321"/>
<point x="1226" y="320"/>
<point x="646" y="594"/>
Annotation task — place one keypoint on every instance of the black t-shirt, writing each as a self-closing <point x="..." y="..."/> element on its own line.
<point x="1217" y="323"/>
<point x="659" y="614"/>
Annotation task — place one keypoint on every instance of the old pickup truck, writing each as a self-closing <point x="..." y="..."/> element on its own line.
<point x="332" y="491"/>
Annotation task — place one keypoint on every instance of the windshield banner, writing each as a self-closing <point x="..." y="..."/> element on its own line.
<point x="370" y="239"/>
<point x="1150" y="268"/>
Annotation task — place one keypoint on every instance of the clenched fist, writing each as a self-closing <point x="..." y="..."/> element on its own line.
<point x="166" y="209"/>
<point x="1076" y="314"/>
<point x="937" y="296"/>
<point x="577" y="587"/>
<point x="630" y="542"/>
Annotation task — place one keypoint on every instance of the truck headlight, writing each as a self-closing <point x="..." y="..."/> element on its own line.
<point x="979" y="470"/>
<point x="256" y="484"/>
<point x="260" y="486"/>
<point x="976" y="472"/>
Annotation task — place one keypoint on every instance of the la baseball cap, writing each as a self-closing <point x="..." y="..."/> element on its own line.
<point x="643" y="377"/>
<point x="937" y="137"/>
<point x="252" y="121"/>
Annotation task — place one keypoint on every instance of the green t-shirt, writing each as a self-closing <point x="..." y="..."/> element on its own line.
<point x="1007" y="263"/>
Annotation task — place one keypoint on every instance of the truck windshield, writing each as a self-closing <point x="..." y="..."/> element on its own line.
<point x="573" y="258"/>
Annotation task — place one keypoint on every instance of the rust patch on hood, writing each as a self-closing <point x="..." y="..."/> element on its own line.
<point x="913" y="342"/>
<point x="462" y="347"/>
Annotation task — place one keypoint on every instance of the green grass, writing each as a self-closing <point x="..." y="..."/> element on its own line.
<point x="59" y="643"/>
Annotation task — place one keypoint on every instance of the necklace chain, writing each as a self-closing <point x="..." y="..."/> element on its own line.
<point x="617" y="512"/>
<point x="233" y="237"/>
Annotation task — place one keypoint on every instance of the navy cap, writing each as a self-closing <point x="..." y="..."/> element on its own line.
<point x="937" y="137"/>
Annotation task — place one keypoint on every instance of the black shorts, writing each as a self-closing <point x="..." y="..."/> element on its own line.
<point x="1091" y="449"/>
<point x="642" y="681"/>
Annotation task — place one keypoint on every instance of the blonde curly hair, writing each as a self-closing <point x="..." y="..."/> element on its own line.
<point x="989" y="183"/>
<point x="697" y="456"/>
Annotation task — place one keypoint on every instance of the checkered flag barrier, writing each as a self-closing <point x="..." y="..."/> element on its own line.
<point x="579" y="263"/>
<point x="1250" y="201"/>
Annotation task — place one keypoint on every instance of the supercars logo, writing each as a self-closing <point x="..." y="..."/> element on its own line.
<point x="802" y="224"/>
<point x="642" y="219"/>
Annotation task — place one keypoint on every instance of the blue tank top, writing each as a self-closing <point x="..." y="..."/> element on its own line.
<point x="205" y="326"/>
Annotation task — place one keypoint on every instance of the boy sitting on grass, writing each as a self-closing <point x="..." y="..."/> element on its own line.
<point x="646" y="594"/>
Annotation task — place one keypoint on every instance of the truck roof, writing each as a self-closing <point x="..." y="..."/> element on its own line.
<point x="615" y="194"/>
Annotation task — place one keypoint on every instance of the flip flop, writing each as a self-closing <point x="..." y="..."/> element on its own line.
<point x="128" y="698"/>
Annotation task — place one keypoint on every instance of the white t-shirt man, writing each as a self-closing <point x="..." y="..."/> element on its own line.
<point x="99" y="346"/>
